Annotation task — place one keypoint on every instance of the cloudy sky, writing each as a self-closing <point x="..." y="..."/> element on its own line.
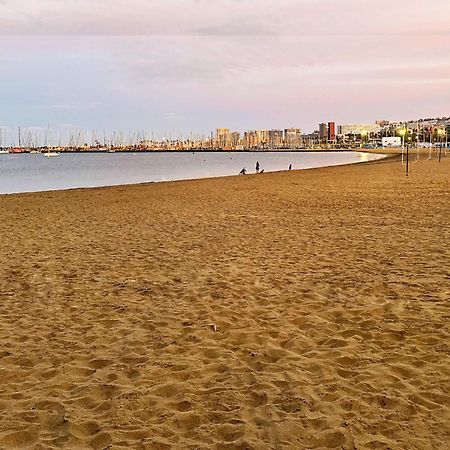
<point x="182" y="65"/>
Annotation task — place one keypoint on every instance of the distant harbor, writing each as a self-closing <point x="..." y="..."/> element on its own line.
<point x="328" y="137"/>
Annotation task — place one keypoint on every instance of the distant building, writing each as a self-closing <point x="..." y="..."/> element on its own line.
<point x="331" y="132"/>
<point x="323" y="132"/>
<point x="223" y="137"/>
<point x="235" y="138"/>
<point x="250" y="140"/>
<point x="263" y="138"/>
<point x="276" y="138"/>
<point x="311" y="138"/>
<point x="292" y="138"/>
<point x="358" y="129"/>
<point x="391" y="141"/>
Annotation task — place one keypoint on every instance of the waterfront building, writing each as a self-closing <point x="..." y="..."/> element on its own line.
<point x="263" y="138"/>
<point x="323" y="132"/>
<point x="331" y="132"/>
<point x="222" y="137"/>
<point x="292" y="138"/>
<point x="256" y="139"/>
<point x="359" y="129"/>
<point x="235" y="138"/>
<point x="250" y="139"/>
<point x="311" y="139"/>
<point x="276" y="138"/>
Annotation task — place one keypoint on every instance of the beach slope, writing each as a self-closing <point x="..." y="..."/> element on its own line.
<point x="294" y="310"/>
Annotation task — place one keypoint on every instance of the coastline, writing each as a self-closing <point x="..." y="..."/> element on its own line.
<point x="299" y="309"/>
<point x="280" y="150"/>
<point x="78" y="181"/>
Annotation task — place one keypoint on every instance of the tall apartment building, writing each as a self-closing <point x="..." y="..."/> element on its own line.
<point x="223" y="137"/>
<point x="257" y="139"/>
<point x="323" y="132"/>
<point x="331" y="136"/>
<point x="235" y="138"/>
<point x="292" y="138"/>
<point x="276" y="138"/>
<point x="263" y="137"/>
<point x="250" y="139"/>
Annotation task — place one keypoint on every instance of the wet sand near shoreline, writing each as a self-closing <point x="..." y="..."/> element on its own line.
<point x="292" y="310"/>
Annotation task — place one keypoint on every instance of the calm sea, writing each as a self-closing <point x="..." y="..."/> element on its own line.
<point x="35" y="172"/>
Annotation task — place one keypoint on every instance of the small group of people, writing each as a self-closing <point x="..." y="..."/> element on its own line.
<point x="258" y="169"/>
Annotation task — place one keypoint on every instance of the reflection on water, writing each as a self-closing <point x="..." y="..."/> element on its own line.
<point x="34" y="172"/>
<point x="364" y="157"/>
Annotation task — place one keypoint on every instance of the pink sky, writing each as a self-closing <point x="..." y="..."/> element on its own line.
<point x="197" y="64"/>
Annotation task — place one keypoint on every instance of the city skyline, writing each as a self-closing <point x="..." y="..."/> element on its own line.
<point x="417" y="132"/>
<point x="192" y="65"/>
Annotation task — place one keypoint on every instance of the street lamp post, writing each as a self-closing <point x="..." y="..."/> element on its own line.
<point x="440" y="133"/>
<point x="402" y="134"/>
<point x="431" y="143"/>
<point x="446" y="142"/>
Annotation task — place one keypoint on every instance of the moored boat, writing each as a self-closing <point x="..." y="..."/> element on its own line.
<point x="51" y="154"/>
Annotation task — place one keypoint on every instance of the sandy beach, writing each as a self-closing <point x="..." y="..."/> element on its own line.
<point x="303" y="309"/>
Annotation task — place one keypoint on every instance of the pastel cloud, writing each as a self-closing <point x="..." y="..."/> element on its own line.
<point x="198" y="64"/>
<point x="224" y="17"/>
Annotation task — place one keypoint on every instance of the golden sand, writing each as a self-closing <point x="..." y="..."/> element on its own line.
<point x="293" y="310"/>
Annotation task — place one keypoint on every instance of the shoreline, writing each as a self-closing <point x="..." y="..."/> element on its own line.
<point x="281" y="150"/>
<point x="193" y="179"/>
<point x="302" y="309"/>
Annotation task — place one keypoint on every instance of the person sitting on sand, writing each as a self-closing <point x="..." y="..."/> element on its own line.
<point x="243" y="171"/>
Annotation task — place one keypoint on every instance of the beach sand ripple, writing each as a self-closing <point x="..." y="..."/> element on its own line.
<point x="292" y="310"/>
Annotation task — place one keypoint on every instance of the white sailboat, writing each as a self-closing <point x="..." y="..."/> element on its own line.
<point x="3" y="150"/>
<point x="50" y="154"/>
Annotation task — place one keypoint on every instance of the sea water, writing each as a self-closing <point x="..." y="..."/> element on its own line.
<point x="35" y="172"/>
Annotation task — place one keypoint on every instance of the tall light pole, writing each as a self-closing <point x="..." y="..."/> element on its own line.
<point x="440" y="133"/>
<point x="446" y="141"/>
<point x="431" y="142"/>
<point x="402" y="133"/>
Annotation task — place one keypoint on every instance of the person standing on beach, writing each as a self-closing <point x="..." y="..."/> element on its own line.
<point x="257" y="166"/>
<point x="290" y="166"/>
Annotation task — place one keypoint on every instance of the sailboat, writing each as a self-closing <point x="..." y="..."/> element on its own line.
<point x="50" y="154"/>
<point x="3" y="150"/>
